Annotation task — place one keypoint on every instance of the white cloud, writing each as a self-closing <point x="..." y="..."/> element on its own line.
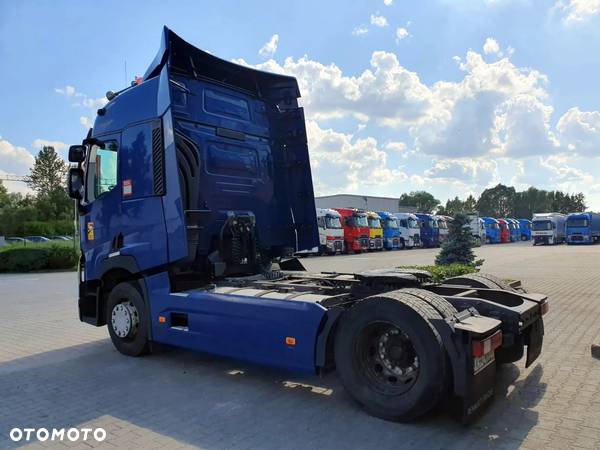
<point x="342" y="163"/>
<point x="378" y="20"/>
<point x="578" y="10"/>
<point x="580" y="131"/>
<point x="491" y="46"/>
<point x="399" y="147"/>
<point x="270" y="47"/>
<point x="360" y="31"/>
<point x="388" y="2"/>
<point x="401" y="33"/>
<point x="81" y="99"/>
<point x="14" y="159"/>
<point x="86" y="122"/>
<point x="58" y="145"/>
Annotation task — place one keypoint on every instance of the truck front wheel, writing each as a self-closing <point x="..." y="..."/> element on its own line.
<point x="390" y="358"/>
<point x="127" y="320"/>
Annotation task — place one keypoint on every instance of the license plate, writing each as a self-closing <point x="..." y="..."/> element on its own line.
<point x="481" y="363"/>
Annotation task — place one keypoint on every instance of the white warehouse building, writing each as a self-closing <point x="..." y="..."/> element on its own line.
<point x="366" y="202"/>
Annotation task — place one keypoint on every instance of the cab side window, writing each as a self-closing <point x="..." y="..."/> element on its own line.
<point x="101" y="170"/>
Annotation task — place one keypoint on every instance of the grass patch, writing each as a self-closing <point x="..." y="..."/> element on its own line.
<point x="440" y="273"/>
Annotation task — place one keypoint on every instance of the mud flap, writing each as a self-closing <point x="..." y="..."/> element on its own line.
<point x="534" y="341"/>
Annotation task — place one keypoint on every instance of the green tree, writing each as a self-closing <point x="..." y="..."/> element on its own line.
<point x="457" y="247"/>
<point x="498" y="201"/>
<point x="48" y="173"/>
<point x="423" y="201"/>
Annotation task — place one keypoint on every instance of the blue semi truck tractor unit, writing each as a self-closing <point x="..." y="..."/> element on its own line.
<point x="430" y="233"/>
<point x="492" y="230"/>
<point x="391" y="230"/>
<point x="583" y="228"/>
<point x="193" y="188"/>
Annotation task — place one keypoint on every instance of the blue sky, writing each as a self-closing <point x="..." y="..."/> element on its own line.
<point x="449" y="96"/>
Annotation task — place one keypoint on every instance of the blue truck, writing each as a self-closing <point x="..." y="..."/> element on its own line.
<point x="525" y="229"/>
<point x="391" y="230"/>
<point x="514" y="229"/>
<point x="194" y="187"/>
<point x="583" y="228"/>
<point x="430" y="233"/>
<point x="492" y="230"/>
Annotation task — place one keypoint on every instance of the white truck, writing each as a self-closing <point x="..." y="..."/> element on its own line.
<point x="331" y="234"/>
<point x="477" y="227"/>
<point x="548" y="228"/>
<point x="410" y="231"/>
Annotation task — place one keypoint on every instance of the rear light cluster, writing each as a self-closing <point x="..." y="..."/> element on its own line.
<point x="487" y="345"/>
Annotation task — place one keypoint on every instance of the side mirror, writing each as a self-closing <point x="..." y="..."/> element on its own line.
<point x="77" y="153"/>
<point x="75" y="183"/>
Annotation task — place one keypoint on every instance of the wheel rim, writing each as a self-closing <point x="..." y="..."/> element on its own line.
<point x="386" y="358"/>
<point x="125" y="319"/>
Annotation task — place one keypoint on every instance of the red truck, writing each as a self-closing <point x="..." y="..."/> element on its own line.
<point x="356" y="229"/>
<point x="504" y="231"/>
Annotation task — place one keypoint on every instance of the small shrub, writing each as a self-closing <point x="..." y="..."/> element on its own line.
<point x="33" y="257"/>
<point x="457" y="247"/>
<point x="440" y="273"/>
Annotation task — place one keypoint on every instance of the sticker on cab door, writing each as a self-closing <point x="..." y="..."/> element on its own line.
<point x="127" y="188"/>
<point x="90" y="231"/>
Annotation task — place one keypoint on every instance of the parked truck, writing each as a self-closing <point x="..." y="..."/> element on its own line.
<point x="515" y="232"/>
<point x="442" y="225"/>
<point x="504" y="231"/>
<point x="193" y="188"/>
<point x="391" y="230"/>
<point x="583" y="228"/>
<point x="356" y="229"/>
<point x="548" y="228"/>
<point x="525" y="229"/>
<point x="375" y="231"/>
<point x="492" y="230"/>
<point x="477" y="226"/>
<point x="331" y="234"/>
<point x="430" y="233"/>
<point x="410" y="230"/>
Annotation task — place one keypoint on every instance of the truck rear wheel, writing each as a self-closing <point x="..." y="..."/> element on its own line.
<point x="481" y="280"/>
<point x="389" y="356"/>
<point x="127" y="320"/>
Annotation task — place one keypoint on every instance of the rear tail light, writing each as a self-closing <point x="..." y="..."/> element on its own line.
<point x="487" y="345"/>
<point x="545" y="307"/>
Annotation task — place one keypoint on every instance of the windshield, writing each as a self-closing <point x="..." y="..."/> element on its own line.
<point x="578" y="223"/>
<point x="374" y="223"/>
<point x="542" y="225"/>
<point x="526" y="225"/>
<point x="391" y="223"/>
<point x="503" y="226"/>
<point x="433" y="223"/>
<point x="360" y="221"/>
<point x="333" y="222"/>
<point x="413" y="223"/>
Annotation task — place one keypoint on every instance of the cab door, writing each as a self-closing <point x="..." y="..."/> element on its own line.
<point x="101" y="207"/>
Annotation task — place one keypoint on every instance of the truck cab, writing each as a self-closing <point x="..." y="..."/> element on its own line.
<point x="375" y="231"/>
<point x="391" y="230"/>
<point x="583" y="228"/>
<point x="430" y="233"/>
<point x="477" y="227"/>
<point x="492" y="230"/>
<point x="442" y="224"/>
<point x="331" y="233"/>
<point x="513" y="227"/>
<point x="525" y="229"/>
<point x="356" y="229"/>
<point x="548" y="228"/>
<point x="504" y="231"/>
<point x="410" y="230"/>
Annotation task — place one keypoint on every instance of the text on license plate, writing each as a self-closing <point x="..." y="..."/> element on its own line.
<point x="481" y="363"/>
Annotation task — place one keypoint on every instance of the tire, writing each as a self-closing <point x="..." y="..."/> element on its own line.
<point x="127" y="296"/>
<point x="443" y="307"/>
<point x="481" y="280"/>
<point x="413" y="391"/>
<point x="402" y="244"/>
